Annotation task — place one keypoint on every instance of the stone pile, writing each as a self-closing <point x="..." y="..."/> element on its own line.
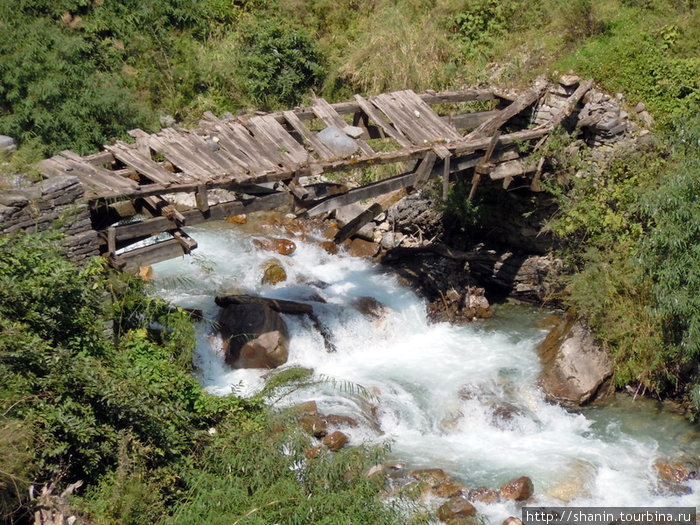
<point x="46" y="204"/>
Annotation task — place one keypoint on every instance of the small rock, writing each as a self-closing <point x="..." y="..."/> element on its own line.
<point x="313" y="452"/>
<point x="337" y="141"/>
<point x="330" y="247"/>
<point x="336" y="420"/>
<point x="483" y="495"/>
<point x="512" y="521"/>
<point x="146" y="272"/>
<point x="307" y="407"/>
<point x="273" y="272"/>
<point x="640" y="107"/>
<point x="375" y="471"/>
<point x="369" y="306"/>
<point x="518" y="489"/>
<point x="646" y="118"/>
<point x="391" y="240"/>
<point x="362" y="248"/>
<point x="449" y="490"/>
<point x="313" y="424"/>
<point x="237" y="219"/>
<point x="335" y="441"/>
<point x="456" y="507"/>
<point x="353" y="131"/>
<point x="569" y="80"/>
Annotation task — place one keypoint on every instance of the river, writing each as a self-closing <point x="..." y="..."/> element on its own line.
<point x="461" y="398"/>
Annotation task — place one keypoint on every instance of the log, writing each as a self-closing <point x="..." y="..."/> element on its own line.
<point x="279" y="305"/>
<point x="570" y="104"/>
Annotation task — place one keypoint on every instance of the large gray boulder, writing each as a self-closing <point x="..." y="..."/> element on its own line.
<point x="7" y="144"/>
<point x="255" y="336"/>
<point x="575" y="370"/>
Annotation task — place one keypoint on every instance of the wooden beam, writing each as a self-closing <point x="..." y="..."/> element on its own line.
<point x="358" y="222"/>
<point x="525" y="100"/>
<point x="202" y="199"/>
<point x="484" y="166"/>
<point x="147" y="255"/>
<point x="446" y="177"/>
<point x="425" y="168"/>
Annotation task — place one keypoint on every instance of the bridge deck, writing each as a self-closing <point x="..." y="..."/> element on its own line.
<point x="251" y="149"/>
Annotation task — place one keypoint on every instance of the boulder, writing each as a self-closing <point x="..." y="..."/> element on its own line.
<point x="273" y="272"/>
<point x="337" y="141"/>
<point x="336" y="420"/>
<point x="281" y="246"/>
<point x="330" y="247"/>
<point x="335" y="441"/>
<point x="518" y="489"/>
<point x="574" y="369"/>
<point x="254" y="336"/>
<point x="7" y="144"/>
<point x="450" y="490"/>
<point x="237" y="219"/>
<point x="456" y="507"/>
<point x="672" y="472"/>
<point x="362" y="248"/>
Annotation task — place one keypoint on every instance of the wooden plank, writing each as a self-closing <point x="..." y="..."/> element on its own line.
<point x="147" y="227"/>
<point x="202" y="199"/>
<point x="425" y="168"/>
<point x="484" y="166"/>
<point x="228" y="144"/>
<point x="390" y="105"/>
<point x="445" y="178"/>
<point x="507" y="169"/>
<point x="469" y="121"/>
<point x="147" y="255"/>
<point x="98" y="159"/>
<point x="380" y="121"/>
<point x="571" y="102"/>
<point x="291" y="156"/>
<point x="96" y="182"/>
<point x="178" y="149"/>
<point x="330" y="117"/>
<point x="440" y="128"/>
<point x="525" y="100"/>
<point x="145" y="166"/>
<point x="307" y="136"/>
<point x="352" y="227"/>
<point x="277" y="132"/>
<point x="258" y="149"/>
<point x="93" y="174"/>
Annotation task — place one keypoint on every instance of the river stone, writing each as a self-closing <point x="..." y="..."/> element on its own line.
<point x="335" y="441"/>
<point x="254" y="336"/>
<point x="336" y="420"/>
<point x="483" y="495"/>
<point x="273" y="272"/>
<point x="450" y="490"/>
<point x="574" y="368"/>
<point x="518" y="489"/>
<point x="330" y="247"/>
<point x="369" y="306"/>
<point x="456" y="507"/>
<point x="431" y="476"/>
<point x="362" y="248"/>
<point x="512" y="521"/>
<point x="281" y="246"/>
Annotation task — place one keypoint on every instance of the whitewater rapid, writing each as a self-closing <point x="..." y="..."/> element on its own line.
<point x="461" y="398"/>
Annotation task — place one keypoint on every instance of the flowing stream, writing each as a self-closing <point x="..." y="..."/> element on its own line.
<point x="461" y="398"/>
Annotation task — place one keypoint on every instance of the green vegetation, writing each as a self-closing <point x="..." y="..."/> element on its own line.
<point x="126" y="416"/>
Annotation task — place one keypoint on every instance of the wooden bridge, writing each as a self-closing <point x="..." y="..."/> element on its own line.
<point x="266" y="159"/>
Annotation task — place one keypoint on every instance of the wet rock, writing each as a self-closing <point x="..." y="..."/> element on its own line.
<point x="512" y="521"/>
<point x="672" y="472"/>
<point x="362" y="248"/>
<point x="483" y="495"/>
<point x="518" y="489"/>
<point x="313" y="424"/>
<point x="476" y="305"/>
<point x="336" y="440"/>
<point x="281" y="246"/>
<point x="273" y="272"/>
<point x="456" y="507"/>
<point x="575" y="483"/>
<point x="330" y="247"/>
<point x="431" y="476"/>
<point x="369" y="306"/>
<point x="146" y="272"/>
<point x="254" y="336"/>
<point x="336" y="420"/>
<point x="450" y="490"/>
<point x="574" y="369"/>
<point x="391" y="240"/>
<point x="237" y="219"/>
<point x="307" y="407"/>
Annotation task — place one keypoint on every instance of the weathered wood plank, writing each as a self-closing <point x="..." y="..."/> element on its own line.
<point x="425" y="168"/>
<point x="145" y="166"/>
<point x="390" y="105"/>
<point x="352" y="227"/>
<point x="147" y="255"/>
<point x="436" y="124"/>
<point x="523" y="101"/>
<point x="330" y="117"/>
<point x="380" y="121"/>
<point x="308" y="136"/>
<point x="258" y="150"/>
